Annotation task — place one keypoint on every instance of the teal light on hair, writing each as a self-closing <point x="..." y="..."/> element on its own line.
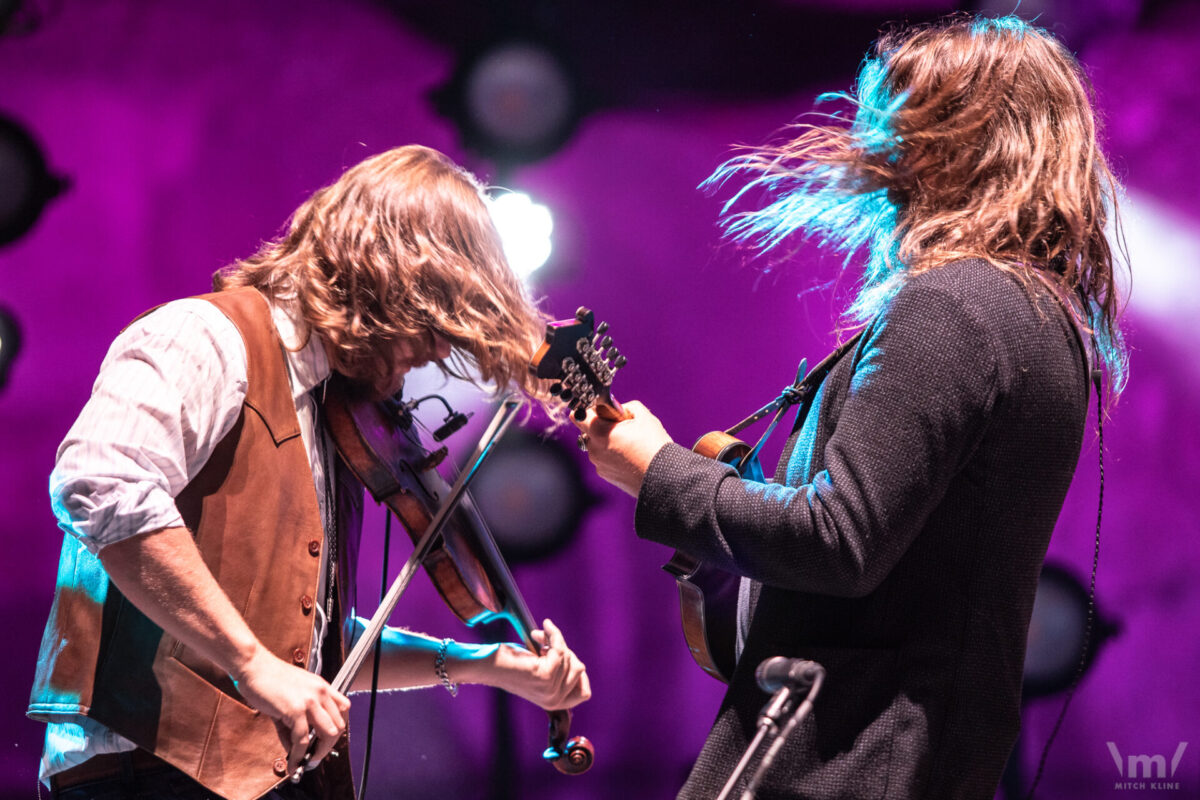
<point x="826" y="203"/>
<point x="970" y="138"/>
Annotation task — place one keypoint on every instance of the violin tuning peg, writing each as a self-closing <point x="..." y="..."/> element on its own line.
<point x="565" y="395"/>
<point x="606" y="341"/>
<point x="555" y="387"/>
<point x="580" y="414"/>
<point x="431" y="459"/>
<point x="602" y="327"/>
<point x="620" y="362"/>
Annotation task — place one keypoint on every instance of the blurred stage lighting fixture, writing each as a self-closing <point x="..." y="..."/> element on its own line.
<point x="26" y="184"/>
<point x="8" y="10"/>
<point x="513" y="101"/>
<point x="10" y="344"/>
<point x="525" y="228"/>
<point x="1057" y="633"/>
<point x="532" y="493"/>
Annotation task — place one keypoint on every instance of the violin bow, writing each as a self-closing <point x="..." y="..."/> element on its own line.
<point x="374" y="628"/>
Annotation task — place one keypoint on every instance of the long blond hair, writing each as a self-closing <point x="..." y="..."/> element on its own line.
<point x="970" y="138"/>
<point x="401" y="246"/>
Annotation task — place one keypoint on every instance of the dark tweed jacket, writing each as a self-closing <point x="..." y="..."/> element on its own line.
<point x="900" y="545"/>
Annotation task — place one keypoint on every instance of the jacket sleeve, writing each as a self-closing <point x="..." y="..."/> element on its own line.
<point x="924" y="381"/>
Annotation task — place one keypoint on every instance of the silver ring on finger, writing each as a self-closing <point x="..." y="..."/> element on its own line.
<point x="583" y="442"/>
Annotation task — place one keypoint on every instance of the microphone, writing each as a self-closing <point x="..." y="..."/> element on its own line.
<point x="777" y="672"/>
<point x="453" y="422"/>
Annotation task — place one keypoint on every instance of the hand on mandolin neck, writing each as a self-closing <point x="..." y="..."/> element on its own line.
<point x="622" y="450"/>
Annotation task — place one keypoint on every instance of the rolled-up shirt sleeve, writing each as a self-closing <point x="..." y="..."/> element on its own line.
<point x="170" y="388"/>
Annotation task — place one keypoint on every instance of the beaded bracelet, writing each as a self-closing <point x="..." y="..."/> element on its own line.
<point x="439" y="667"/>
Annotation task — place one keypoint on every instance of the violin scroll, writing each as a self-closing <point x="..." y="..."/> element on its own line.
<point x="577" y="758"/>
<point x="569" y="756"/>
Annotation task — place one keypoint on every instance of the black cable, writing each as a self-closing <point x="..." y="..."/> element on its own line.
<point x="1091" y="609"/>
<point x="383" y="587"/>
<point x="387" y="547"/>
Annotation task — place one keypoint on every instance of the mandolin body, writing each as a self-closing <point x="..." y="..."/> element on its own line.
<point x="708" y="595"/>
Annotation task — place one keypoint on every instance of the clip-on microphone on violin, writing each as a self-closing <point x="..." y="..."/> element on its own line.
<point x="454" y="420"/>
<point x="402" y="414"/>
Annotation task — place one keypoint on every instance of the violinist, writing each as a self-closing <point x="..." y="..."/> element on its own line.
<point x="900" y="542"/>
<point x="205" y="594"/>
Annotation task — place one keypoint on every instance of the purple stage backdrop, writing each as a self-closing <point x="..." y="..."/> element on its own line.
<point x="191" y="130"/>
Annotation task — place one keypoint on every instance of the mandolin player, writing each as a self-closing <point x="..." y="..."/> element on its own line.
<point x="900" y="542"/>
<point x="205" y="594"/>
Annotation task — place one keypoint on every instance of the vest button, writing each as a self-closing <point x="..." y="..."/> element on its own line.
<point x="300" y="656"/>
<point x="306" y="603"/>
<point x="314" y="547"/>
<point x="280" y="767"/>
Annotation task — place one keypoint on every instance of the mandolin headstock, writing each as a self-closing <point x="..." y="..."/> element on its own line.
<point x="579" y="357"/>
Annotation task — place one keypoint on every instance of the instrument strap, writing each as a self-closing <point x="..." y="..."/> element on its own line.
<point x="805" y="384"/>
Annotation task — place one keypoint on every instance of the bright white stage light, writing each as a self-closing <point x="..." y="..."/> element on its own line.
<point x="1164" y="249"/>
<point x="525" y="228"/>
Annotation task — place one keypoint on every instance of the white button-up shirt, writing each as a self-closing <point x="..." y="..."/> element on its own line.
<point x="169" y="390"/>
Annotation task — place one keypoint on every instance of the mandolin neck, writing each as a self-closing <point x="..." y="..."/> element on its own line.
<point x="608" y="408"/>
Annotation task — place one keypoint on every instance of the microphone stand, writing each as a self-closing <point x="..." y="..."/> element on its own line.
<point x="782" y="704"/>
<point x="796" y="718"/>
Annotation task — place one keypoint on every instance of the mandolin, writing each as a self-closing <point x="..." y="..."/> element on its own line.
<point x="579" y="357"/>
<point x="708" y="595"/>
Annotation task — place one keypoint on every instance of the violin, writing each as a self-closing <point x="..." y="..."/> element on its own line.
<point x="380" y="444"/>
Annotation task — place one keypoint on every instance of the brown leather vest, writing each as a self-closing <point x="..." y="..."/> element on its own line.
<point x="254" y="513"/>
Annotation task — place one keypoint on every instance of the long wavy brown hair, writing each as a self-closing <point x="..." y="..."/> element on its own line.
<point x="969" y="138"/>
<point x="401" y="246"/>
